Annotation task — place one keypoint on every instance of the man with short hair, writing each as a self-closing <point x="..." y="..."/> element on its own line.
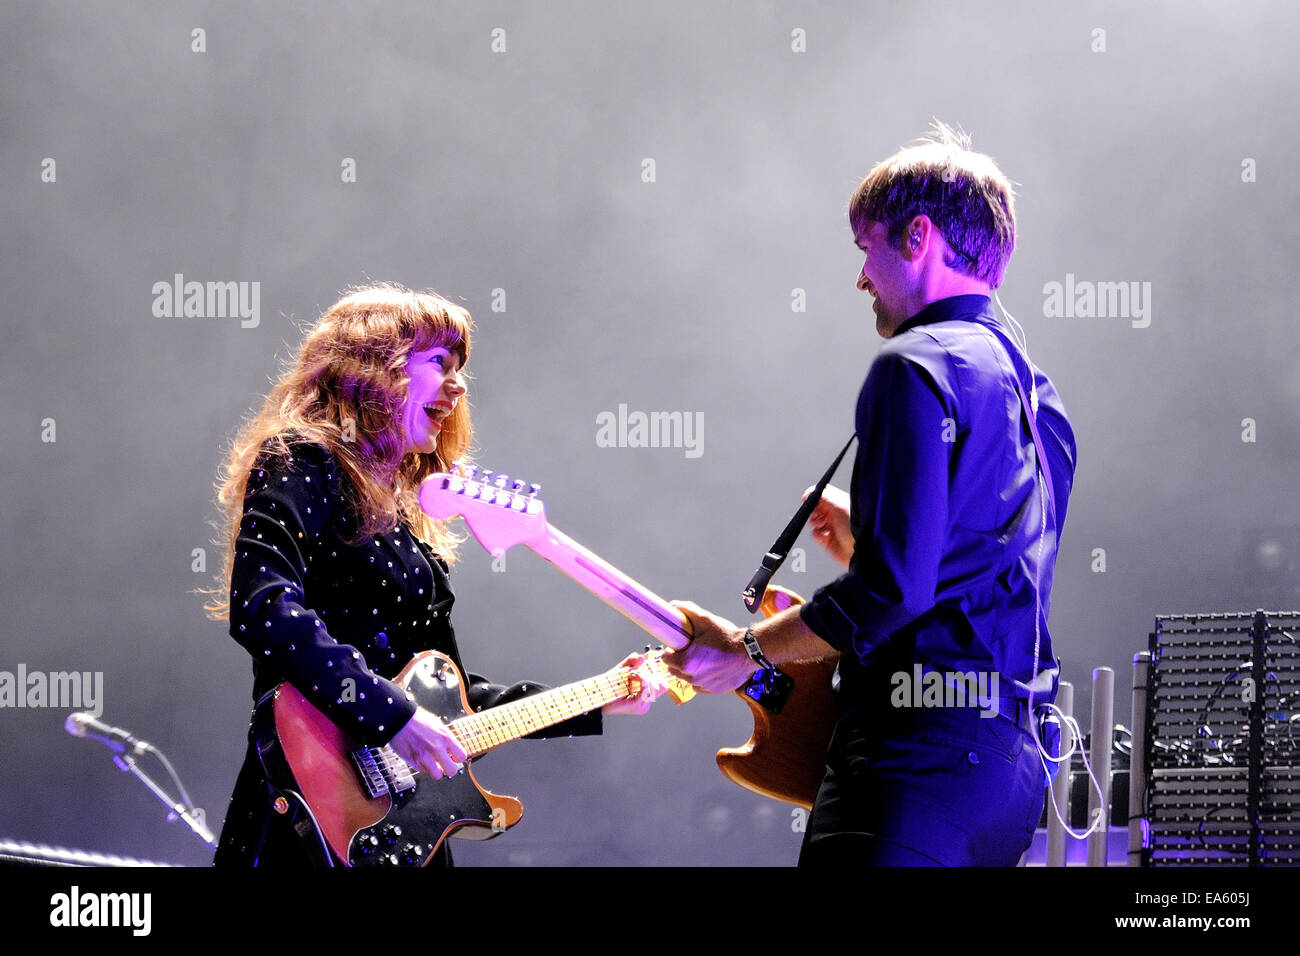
<point x="949" y="534"/>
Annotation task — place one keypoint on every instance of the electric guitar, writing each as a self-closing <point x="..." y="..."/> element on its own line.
<point x="784" y="758"/>
<point x="368" y="806"/>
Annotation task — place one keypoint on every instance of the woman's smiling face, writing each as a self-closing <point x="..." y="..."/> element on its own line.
<point x="434" y="388"/>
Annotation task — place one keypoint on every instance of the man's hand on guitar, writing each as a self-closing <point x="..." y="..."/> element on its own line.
<point x="716" y="660"/>
<point x="653" y="682"/>
<point x="830" y="523"/>
<point x="429" y="745"/>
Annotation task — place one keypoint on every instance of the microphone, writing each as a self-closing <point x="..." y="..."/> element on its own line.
<point x="81" y="724"/>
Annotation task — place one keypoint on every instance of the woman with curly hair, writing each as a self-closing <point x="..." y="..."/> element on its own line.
<point x="336" y="577"/>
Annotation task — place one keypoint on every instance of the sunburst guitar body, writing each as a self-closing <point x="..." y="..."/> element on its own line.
<point x="357" y="805"/>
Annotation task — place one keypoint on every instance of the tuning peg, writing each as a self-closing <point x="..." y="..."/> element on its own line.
<point x="514" y="498"/>
<point x="484" y="491"/>
<point x="500" y="481"/>
<point x="469" y="472"/>
<point x="533" y="490"/>
<point x="456" y="479"/>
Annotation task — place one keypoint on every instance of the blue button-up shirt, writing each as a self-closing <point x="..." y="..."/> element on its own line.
<point x="947" y="513"/>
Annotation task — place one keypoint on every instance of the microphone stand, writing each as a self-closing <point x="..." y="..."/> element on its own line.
<point x="192" y="816"/>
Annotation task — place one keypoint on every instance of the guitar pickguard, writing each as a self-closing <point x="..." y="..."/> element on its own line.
<point x="421" y="818"/>
<point x="306" y="754"/>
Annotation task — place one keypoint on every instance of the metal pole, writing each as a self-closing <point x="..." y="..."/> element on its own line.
<point x="1137" y="763"/>
<point x="196" y="823"/>
<point x="1103" y="719"/>
<point x="1060" y="792"/>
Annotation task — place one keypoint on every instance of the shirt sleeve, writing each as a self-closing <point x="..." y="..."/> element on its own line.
<point x="288" y="504"/>
<point x="906" y="433"/>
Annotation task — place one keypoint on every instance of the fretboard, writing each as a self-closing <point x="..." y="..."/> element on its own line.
<point x="480" y="732"/>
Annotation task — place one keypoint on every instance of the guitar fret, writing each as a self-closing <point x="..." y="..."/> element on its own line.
<point x="482" y="731"/>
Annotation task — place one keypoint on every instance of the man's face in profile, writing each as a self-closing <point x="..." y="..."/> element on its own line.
<point x="884" y="275"/>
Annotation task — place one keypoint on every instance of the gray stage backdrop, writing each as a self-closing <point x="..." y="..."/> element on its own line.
<point x="643" y="207"/>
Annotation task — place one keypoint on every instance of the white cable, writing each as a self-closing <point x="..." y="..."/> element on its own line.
<point x="1017" y="328"/>
<point x="1076" y="735"/>
<point x="1067" y="723"/>
<point x="1018" y="333"/>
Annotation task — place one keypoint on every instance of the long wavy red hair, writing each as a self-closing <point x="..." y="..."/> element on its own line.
<point x="343" y="389"/>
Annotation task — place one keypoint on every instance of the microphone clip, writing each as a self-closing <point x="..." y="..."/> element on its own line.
<point x="757" y="587"/>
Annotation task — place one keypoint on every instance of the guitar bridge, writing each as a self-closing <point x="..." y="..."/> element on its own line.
<point x="367" y="766"/>
<point x="400" y="777"/>
<point x="381" y="771"/>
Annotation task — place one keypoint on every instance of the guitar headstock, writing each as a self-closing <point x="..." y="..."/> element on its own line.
<point x="500" y="514"/>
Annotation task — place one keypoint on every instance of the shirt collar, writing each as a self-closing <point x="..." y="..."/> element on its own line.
<point x="973" y="307"/>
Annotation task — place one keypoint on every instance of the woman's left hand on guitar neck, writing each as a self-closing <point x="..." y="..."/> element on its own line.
<point x="653" y="683"/>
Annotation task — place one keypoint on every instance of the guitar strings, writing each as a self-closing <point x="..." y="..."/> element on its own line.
<point x="511" y="721"/>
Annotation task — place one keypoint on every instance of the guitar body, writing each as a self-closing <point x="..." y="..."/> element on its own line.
<point x="785" y="757"/>
<point x="310" y="760"/>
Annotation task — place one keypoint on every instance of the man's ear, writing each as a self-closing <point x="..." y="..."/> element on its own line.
<point x="917" y="236"/>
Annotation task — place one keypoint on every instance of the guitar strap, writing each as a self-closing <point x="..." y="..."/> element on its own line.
<point x="776" y="555"/>
<point x="769" y="686"/>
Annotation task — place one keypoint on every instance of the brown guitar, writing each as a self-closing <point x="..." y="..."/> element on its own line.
<point x="784" y="758"/>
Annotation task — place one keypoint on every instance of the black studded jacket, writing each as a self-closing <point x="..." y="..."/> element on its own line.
<point x="337" y="620"/>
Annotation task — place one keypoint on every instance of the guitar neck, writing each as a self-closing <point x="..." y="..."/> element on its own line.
<point x="501" y="518"/>
<point x="486" y="729"/>
<point x="637" y="603"/>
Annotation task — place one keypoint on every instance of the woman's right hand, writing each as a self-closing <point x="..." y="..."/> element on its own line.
<point x="830" y="523"/>
<point x="429" y="745"/>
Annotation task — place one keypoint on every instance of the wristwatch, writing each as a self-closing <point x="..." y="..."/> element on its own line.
<point x="755" y="652"/>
